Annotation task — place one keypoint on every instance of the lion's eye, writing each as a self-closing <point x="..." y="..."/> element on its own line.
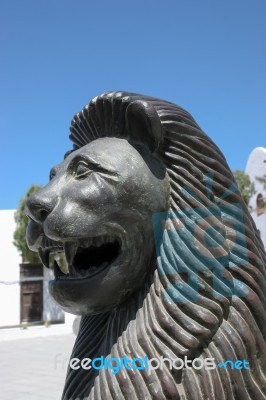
<point x="81" y="169"/>
<point x="52" y="174"/>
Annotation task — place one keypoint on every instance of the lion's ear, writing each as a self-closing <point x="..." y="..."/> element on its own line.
<point x="143" y="124"/>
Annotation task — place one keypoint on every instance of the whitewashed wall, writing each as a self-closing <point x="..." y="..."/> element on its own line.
<point x="256" y="168"/>
<point x="9" y="271"/>
<point x="10" y="279"/>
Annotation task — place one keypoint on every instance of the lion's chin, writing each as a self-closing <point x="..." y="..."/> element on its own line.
<point x="80" y="296"/>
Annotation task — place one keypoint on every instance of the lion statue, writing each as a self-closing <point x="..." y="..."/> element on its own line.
<point x="162" y="256"/>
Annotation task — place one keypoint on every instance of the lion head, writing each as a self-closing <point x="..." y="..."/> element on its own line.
<point x="98" y="209"/>
<point x="162" y="256"/>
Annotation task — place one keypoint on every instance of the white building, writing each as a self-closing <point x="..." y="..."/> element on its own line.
<point x="256" y="169"/>
<point x="9" y="271"/>
<point x="24" y="296"/>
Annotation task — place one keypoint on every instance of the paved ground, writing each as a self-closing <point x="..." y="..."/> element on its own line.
<point x="34" y="331"/>
<point x="34" y="368"/>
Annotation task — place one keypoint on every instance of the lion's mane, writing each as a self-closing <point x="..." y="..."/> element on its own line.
<point x="200" y="301"/>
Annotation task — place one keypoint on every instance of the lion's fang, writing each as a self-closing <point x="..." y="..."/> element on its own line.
<point x="44" y="256"/>
<point x="70" y="252"/>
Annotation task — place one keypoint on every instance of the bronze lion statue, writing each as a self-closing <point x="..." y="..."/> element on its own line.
<point x="162" y="257"/>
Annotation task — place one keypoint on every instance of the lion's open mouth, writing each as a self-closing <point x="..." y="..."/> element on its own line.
<point x="80" y="259"/>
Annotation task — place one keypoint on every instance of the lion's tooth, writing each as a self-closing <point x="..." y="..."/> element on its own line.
<point x="70" y="252"/>
<point x="44" y="256"/>
<point x="62" y="262"/>
<point x="84" y="243"/>
<point x="57" y="271"/>
<point x="72" y="270"/>
<point x="109" y="239"/>
<point x="90" y="242"/>
<point x="99" y="240"/>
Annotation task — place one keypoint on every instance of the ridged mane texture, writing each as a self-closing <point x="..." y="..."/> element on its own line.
<point x="200" y="301"/>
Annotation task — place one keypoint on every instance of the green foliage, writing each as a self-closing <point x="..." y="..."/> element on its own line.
<point x="245" y="186"/>
<point x="20" y="232"/>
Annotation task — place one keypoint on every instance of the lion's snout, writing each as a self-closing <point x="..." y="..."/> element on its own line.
<point x="40" y="205"/>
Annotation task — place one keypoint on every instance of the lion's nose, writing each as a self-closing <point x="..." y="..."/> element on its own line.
<point x="39" y="206"/>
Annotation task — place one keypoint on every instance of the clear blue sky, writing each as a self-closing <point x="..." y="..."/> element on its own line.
<point x="209" y="56"/>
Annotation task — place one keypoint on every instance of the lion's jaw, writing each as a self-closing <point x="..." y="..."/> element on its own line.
<point x="109" y="284"/>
